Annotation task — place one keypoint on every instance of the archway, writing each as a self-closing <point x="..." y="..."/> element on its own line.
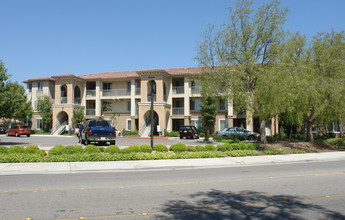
<point x="151" y="85"/>
<point x="63" y="94"/>
<point x="147" y="126"/>
<point x="77" y="95"/>
<point x="62" y="118"/>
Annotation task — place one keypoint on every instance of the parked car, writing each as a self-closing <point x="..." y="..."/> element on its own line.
<point x="188" y="131"/>
<point x="17" y="130"/>
<point x="239" y="132"/>
<point x="2" y="130"/>
<point x="98" y="131"/>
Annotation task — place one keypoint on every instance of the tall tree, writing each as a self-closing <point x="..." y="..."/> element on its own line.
<point x="238" y="58"/>
<point x="45" y="109"/>
<point x="316" y="71"/>
<point x="78" y="116"/>
<point x="208" y="110"/>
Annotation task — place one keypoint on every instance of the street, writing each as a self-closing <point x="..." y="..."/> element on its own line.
<point x="313" y="190"/>
<point x="46" y="142"/>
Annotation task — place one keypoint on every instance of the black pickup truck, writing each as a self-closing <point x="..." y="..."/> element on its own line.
<point x="98" y="131"/>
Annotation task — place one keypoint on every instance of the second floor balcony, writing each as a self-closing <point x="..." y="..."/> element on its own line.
<point x="178" y="110"/>
<point x="178" y="90"/>
<point x="90" y="112"/>
<point x="116" y="92"/>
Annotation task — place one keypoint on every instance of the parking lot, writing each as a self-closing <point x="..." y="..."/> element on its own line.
<point x="46" y="142"/>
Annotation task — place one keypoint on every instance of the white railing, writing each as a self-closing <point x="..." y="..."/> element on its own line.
<point x="90" y="112"/>
<point x="116" y="92"/>
<point x="90" y="93"/>
<point x="178" y="110"/>
<point x="77" y="100"/>
<point x="178" y="89"/>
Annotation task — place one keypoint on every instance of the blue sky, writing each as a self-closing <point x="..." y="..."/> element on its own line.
<point x="50" y="37"/>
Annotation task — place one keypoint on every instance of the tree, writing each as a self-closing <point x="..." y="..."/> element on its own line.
<point x="78" y="116"/>
<point x="239" y="58"/>
<point x="317" y="71"/>
<point x="45" y="109"/>
<point x="12" y="98"/>
<point x="208" y="110"/>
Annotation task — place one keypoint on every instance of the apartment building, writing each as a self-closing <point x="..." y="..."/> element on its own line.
<point x="124" y="99"/>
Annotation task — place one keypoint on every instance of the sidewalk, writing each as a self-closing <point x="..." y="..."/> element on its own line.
<point x="123" y="166"/>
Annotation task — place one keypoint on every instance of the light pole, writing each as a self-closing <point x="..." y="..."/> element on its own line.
<point x="153" y="91"/>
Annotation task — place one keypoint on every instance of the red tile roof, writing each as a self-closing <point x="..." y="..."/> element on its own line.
<point x="38" y="79"/>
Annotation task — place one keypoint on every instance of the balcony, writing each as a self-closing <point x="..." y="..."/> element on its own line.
<point x="178" y="110"/>
<point x="90" y="93"/>
<point x="77" y="100"/>
<point x="116" y="92"/>
<point x="137" y="91"/>
<point x="63" y="100"/>
<point x="90" y="112"/>
<point x="178" y="89"/>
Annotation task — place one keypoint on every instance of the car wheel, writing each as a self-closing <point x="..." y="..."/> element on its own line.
<point x="112" y="142"/>
<point x="82" y="141"/>
<point x="87" y="142"/>
<point x="28" y="135"/>
<point x="180" y="137"/>
<point x="251" y="138"/>
<point x="17" y="135"/>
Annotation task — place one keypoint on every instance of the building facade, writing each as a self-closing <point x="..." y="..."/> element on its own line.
<point x="124" y="98"/>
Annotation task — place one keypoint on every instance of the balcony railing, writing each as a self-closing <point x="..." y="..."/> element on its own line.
<point x="90" y="93"/>
<point x="196" y="90"/>
<point x="63" y="100"/>
<point x="138" y="91"/>
<point x="178" y="89"/>
<point x="116" y="92"/>
<point x="178" y="110"/>
<point x="77" y="100"/>
<point x="90" y="112"/>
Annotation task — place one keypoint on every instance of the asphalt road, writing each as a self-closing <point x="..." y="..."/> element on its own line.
<point x="312" y="190"/>
<point x="48" y="141"/>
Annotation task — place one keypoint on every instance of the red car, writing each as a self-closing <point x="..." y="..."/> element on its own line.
<point x="17" y="130"/>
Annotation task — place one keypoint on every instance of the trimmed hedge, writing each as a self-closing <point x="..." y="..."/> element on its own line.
<point x="112" y="149"/>
<point x="179" y="147"/>
<point x="145" y="148"/>
<point x="91" y="149"/>
<point x="3" y="149"/>
<point x="16" y="149"/>
<point x="160" y="148"/>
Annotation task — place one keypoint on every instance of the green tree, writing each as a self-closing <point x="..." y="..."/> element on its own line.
<point x="208" y="109"/>
<point x="78" y="116"/>
<point x="45" y="109"/>
<point x="317" y="73"/>
<point x="239" y="58"/>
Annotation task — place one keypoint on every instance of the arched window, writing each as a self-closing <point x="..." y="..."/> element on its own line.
<point x="151" y="86"/>
<point x="63" y="93"/>
<point x="77" y="95"/>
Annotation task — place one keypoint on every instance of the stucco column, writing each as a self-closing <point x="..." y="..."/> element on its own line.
<point x="133" y="107"/>
<point x="230" y="113"/>
<point x="98" y="103"/>
<point x="186" y="97"/>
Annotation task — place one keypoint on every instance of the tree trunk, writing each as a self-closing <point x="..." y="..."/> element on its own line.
<point x="263" y="138"/>
<point x="310" y="137"/>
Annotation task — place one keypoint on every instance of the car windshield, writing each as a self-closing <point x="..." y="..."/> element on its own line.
<point x="99" y="124"/>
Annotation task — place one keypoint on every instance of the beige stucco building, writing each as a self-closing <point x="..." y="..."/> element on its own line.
<point x="124" y="99"/>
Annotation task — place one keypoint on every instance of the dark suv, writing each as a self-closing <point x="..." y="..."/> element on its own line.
<point x="188" y="131"/>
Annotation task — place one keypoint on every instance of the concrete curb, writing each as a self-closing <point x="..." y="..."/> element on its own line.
<point x="141" y="165"/>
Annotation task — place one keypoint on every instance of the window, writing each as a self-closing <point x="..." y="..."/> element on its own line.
<point x="107" y="106"/>
<point x="223" y="104"/>
<point x="195" y="84"/>
<point x="128" y="125"/>
<point x="129" y="106"/>
<point x="30" y="87"/>
<point x="223" y="123"/>
<point x="195" y="104"/>
<point x="40" y="86"/>
<point x="107" y="86"/>
<point x="128" y="86"/>
<point x="39" y="124"/>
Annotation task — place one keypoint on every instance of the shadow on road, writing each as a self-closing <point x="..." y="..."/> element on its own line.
<point x="245" y="205"/>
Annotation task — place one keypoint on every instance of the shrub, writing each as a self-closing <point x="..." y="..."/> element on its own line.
<point x="33" y="149"/>
<point x="125" y="150"/>
<point x="16" y="149"/>
<point x="160" y="148"/>
<point x="3" y="149"/>
<point x="131" y="133"/>
<point x="200" y="148"/>
<point x="74" y="149"/>
<point x="242" y="153"/>
<point x="336" y="141"/>
<point x="112" y="149"/>
<point x="210" y="147"/>
<point x="191" y="149"/>
<point x="179" y="147"/>
<point x="91" y="149"/>
<point x="57" y="150"/>
<point x="101" y="149"/>
<point x="228" y="147"/>
<point x="134" y="148"/>
<point x="172" y="134"/>
<point x="146" y="148"/>
<point x="221" y="147"/>
<point x="273" y="151"/>
<point x="202" y="134"/>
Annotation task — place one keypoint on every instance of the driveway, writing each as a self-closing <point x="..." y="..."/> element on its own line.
<point x="46" y="142"/>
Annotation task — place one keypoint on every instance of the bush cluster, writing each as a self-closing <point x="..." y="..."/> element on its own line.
<point x="179" y="147"/>
<point x="340" y="142"/>
<point x="172" y="134"/>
